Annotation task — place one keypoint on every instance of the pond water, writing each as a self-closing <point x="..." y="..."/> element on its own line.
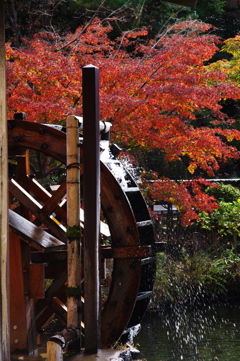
<point x="211" y="333"/>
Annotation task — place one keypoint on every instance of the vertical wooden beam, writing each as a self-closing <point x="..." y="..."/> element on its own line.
<point x="4" y="294"/>
<point x="18" y="302"/>
<point x="91" y="191"/>
<point x="22" y="310"/>
<point x="73" y="221"/>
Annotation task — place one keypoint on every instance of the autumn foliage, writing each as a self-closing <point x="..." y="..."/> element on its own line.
<point x="155" y="92"/>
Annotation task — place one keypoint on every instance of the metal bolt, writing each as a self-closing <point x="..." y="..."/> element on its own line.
<point x="15" y="327"/>
<point x="41" y="131"/>
<point x="16" y="341"/>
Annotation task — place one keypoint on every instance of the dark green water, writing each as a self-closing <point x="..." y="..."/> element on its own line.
<point x="211" y="333"/>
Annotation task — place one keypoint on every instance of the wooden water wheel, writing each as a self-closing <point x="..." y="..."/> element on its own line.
<point x="40" y="251"/>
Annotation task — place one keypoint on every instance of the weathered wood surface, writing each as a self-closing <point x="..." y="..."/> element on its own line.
<point x="126" y="252"/>
<point x="50" y="202"/>
<point x="126" y="272"/>
<point x="18" y="319"/>
<point x="32" y="234"/>
<point x="60" y="306"/>
<point x="4" y="291"/>
<point x="30" y="203"/>
<point x="59" y="256"/>
<point x="24" y="134"/>
<point x="46" y="308"/>
<point x="54" y="351"/>
<point x="36" y="280"/>
<point x="91" y="196"/>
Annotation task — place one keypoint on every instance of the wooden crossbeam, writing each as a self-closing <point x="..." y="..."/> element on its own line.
<point x="36" y="209"/>
<point x="50" y="202"/>
<point x="43" y="308"/>
<point x="33" y="235"/>
<point x="126" y="252"/>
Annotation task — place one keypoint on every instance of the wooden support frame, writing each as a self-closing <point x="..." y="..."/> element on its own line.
<point x="4" y="291"/>
<point x="32" y="234"/>
<point x="30" y="203"/>
<point x="22" y="293"/>
<point x="21" y="330"/>
<point x="17" y="300"/>
<point x="91" y="192"/>
<point x="128" y="224"/>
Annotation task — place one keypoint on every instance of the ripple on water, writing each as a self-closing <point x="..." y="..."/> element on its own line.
<point x="211" y="333"/>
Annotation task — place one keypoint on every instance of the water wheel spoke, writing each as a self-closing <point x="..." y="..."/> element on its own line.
<point x="50" y="202"/>
<point x="126" y="252"/>
<point x="36" y="209"/>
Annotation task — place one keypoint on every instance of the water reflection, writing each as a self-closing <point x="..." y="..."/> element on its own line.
<point x="211" y="333"/>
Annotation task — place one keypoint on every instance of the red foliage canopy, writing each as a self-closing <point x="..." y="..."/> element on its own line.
<point x="152" y="91"/>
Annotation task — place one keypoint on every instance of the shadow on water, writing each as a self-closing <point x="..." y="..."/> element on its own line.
<point x="211" y="333"/>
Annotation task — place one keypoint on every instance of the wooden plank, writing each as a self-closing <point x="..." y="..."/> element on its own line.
<point x="44" y="308"/>
<point x="35" y="280"/>
<point x="22" y="317"/>
<point x="47" y="313"/>
<point x="58" y="256"/>
<point x="59" y="305"/>
<point x="23" y="168"/>
<point x="32" y="234"/>
<point x="126" y="252"/>
<point x="18" y="319"/>
<point x="50" y="202"/>
<point x="31" y="204"/>
<point x="4" y="291"/>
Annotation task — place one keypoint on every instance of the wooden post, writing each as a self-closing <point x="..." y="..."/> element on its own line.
<point x="73" y="222"/>
<point x="54" y="351"/>
<point x="4" y="294"/>
<point x="91" y="192"/>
